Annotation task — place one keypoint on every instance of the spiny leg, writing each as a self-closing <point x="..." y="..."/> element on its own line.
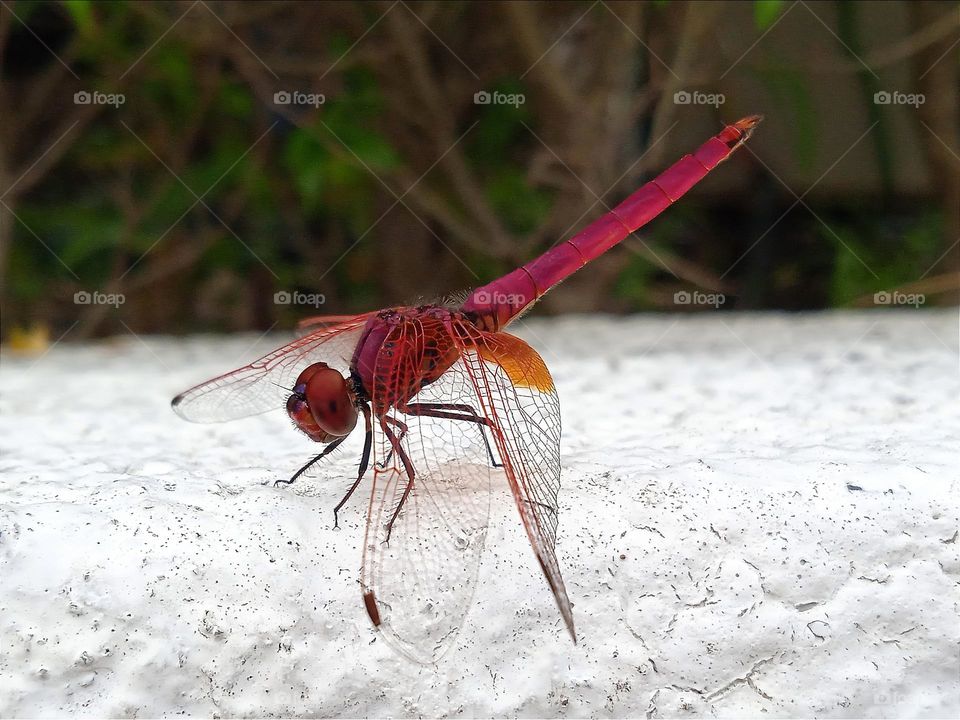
<point x="407" y="465"/>
<point x="403" y="431"/>
<point x="364" y="463"/>
<point x="326" y="451"/>
<point x="449" y="412"/>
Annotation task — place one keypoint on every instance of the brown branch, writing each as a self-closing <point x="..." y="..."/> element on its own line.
<point x="534" y="50"/>
<point x="699" y="19"/>
<point x="134" y="213"/>
<point x="914" y="44"/>
<point x="676" y="265"/>
<point x="453" y="162"/>
<point x="427" y="202"/>
<point x="39" y="167"/>
<point x="947" y="284"/>
<point x="938" y="80"/>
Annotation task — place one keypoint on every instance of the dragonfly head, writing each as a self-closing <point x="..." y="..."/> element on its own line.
<point x="322" y="404"/>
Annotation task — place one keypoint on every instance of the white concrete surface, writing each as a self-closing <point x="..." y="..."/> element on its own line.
<point x="759" y="518"/>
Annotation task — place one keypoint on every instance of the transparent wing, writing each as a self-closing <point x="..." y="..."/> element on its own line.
<point x="419" y="575"/>
<point x="265" y="383"/>
<point x="517" y="394"/>
<point x="310" y="325"/>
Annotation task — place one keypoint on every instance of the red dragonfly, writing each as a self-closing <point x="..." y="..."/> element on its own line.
<point x="449" y="401"/>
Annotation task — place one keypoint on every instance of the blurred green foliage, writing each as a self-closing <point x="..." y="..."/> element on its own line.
<point x="765" y="12"/>
<point x="341" y="183"/>
<point x="896" y="253"/>
<point x="204" y="187"/>
<point x="789" y="89"/>
<point x="499" y="134"/>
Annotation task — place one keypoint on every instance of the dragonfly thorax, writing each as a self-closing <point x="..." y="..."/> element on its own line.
<point x="322" y="404"/>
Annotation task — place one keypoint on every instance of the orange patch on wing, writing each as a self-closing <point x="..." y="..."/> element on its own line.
<point x="522" y="364"/>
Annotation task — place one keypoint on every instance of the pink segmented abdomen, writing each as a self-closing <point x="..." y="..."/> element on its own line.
<point x="501" y="301"/>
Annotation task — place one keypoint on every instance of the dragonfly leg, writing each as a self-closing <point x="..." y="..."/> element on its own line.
<point x="454" y="412"/>
<point x="403" y="431"/>
<point x="364" y="463"/>
<point x="326" y="451"/>
<point x="552" y="511"/>
<point x="407" y="465"/>
<point x="383" y="463"/>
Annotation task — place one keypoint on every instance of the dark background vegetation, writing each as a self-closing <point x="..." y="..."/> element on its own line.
<point x="200" y="197"/>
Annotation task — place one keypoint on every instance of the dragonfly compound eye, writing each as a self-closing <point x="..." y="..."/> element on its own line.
<point x="330" y="401"/>
<point x="303" y="378"/>
<point x="302" y="417"/>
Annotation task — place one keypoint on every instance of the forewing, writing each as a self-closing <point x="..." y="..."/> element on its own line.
<point x="266" y="383"/>
<point x="310" y="325"/>
<point x="419" y="584"/>
<point x="517" y="394"/>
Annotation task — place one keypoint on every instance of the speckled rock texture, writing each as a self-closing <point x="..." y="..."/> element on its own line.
<point x="759" y="517"/>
